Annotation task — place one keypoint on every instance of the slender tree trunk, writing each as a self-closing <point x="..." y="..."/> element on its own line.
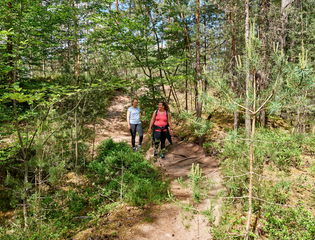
<point x="264" y="35"/>
<point x="247" y="81"/>
<point x="77" y="74"/>
<point x="25" y="192"/>
<point x="10" y="45"/>
<point x="44" y="69"/>
<point x="283" y="36"/>
<point x="31" y="65"/>
<point x="117" y="9"/>
<point x="39" y="199"/>
<point x="122" y="180"/>
<point x="152" y="87"/>
<point x="250" y="189"/>
<point x="231" y="67"/>
<point x="196" y="95"/>
<point x="205" y="56"/>
<point x="186" y="87"/>
<point x="251" y="168"/>
<point x="86" y="45"/>
<point x="198" y="67"/>
<point x="77" y="67"/>
<point x="94" y="135"/>
<point x="23" y="148"/>
<point x="191" y="101"/>
<point x="68" y="45"/>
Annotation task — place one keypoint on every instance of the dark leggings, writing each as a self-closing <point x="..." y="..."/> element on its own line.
<point x="159" y="137"/>
<point x="133" y="129"/>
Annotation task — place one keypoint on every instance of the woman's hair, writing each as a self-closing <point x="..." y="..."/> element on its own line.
<point x="133" y="100"/>
<point x="165" y="106"/>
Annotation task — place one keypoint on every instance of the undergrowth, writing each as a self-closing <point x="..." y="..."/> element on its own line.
<point x="125" y="174"/>
<point x="117" y="175"/>
<point x="279" y="176"/>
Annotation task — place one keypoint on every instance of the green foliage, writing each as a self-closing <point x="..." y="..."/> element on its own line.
<point x="277" y="149"/>
<point x="288" y="223"/>
<point x="280" y="192"/>
<point x="198" y="127"/>
<point x="196" y="179"/>
<point x="118" y="166"/>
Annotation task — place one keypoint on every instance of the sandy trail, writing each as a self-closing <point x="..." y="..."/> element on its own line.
<point x="166" y="221"/>
<point x="114" y="126"/>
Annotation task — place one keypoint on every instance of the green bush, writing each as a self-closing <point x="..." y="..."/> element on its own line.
<point x="281" y="149"/>
<point x="288" y="223"/>
<point x="117" y="166"/>
<point x="273" y="149"/>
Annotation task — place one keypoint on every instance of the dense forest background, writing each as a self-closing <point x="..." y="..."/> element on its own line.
<point x="61" y="62"/>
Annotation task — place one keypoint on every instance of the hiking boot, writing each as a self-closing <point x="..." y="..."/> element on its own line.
<point x="155" y="154"/>
<point x="134" y="149"/>
<point x="139" y="147"/>
<point x="162" y="156"/>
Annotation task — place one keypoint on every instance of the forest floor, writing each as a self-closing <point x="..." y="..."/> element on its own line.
<point x="169" y="220"/>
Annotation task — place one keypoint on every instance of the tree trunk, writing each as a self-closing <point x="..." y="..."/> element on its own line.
<point x="231" y="67"/>
<point x="77" y="74"/>
<point x="247" y="81"/>
<point x="186" y="87"/>
<point x="283" y="36"/>
<point x="198" y="68"/>
<point x="264" y="75"/>
<point x="68" y="45"/>
<point x="31" y="66"/>
<point x="10" y="45"/>
<point x="251" y="168"/>
<point x="17" y="126"/>
<point x="205" y="57"/>
<point x="86" y="45"/>
<point x="44" y="69"/>
<point x="39" y="199"/>
<point x="117" y="9"/>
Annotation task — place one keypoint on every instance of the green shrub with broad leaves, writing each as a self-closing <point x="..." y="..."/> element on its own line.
<point x="122" y="173"/>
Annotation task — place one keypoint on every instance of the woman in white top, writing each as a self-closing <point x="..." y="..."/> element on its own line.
<point x="134" y="123"/>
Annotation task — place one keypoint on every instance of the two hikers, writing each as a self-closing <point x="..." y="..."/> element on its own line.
<point x="161" y="121"/>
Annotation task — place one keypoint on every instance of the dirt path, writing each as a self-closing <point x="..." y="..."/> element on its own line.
<point x="113" y="126"/>
<point x="159" y="222"/>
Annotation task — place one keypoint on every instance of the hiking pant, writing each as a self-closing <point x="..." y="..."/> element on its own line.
<point x="133" y="129"/>
<point x="159" y="137"/>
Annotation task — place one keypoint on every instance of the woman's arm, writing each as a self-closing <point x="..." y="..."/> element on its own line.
<point x="170" y="122"/>
<point x="152" y="121"/>
<point x="128" y="119"/>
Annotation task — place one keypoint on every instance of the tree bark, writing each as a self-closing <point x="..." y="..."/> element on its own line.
<point x="44" y="69"/>
<point x="39" y="198"/>
<point x="251" y="169"/>
<point x="247" y="81"/>
<point x="264" y="35"/>
<point x="205" y="56"/>
<point x="198" y="68"/>
<point x="231" y="67"/>
<point x="10" y="46"/>
<point x="23" y="148"/>
<point x="77" y="74"/>
<point x="186" y="88"/>
<point x="283" y="36"/>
